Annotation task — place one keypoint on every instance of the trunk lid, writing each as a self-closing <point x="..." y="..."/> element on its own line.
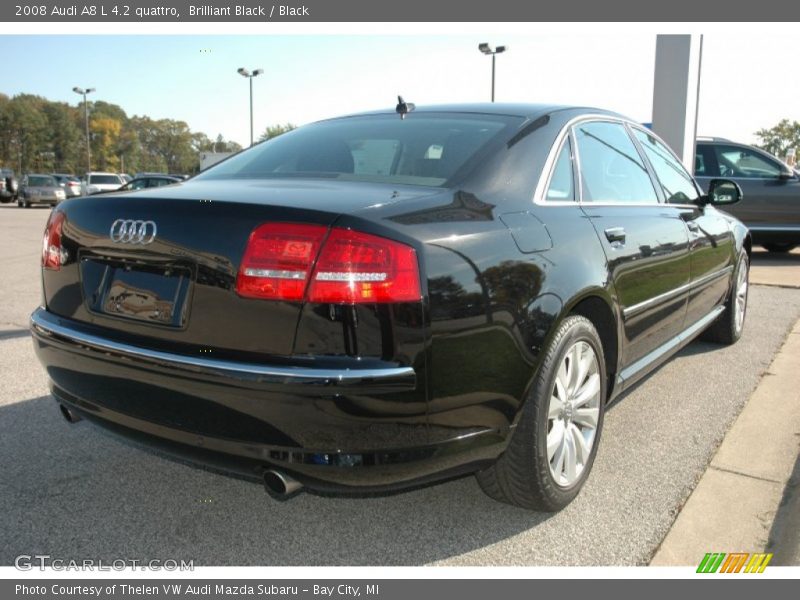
<point x="169" y="280"/>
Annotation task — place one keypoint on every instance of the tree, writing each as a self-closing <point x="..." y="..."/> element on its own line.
<point x="274" y="131"/>
<point x="779" y="139"/>
<point x="105" y="139"/>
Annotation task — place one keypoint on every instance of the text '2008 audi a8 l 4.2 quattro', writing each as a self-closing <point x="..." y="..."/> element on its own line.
<point x="377" y="301"/>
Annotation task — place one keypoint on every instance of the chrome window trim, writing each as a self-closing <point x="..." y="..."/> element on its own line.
<point x="539" y="194"/>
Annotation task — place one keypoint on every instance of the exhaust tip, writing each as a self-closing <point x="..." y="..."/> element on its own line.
<point x="280" y="486"/>
<point x="69" y="415"/>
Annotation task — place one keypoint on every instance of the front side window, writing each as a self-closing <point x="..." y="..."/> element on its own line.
<point x="676" y="183"/>
<point x="422" y="149"/>
<point x="611" y="168"/>
<point x="562" y="182"/>
<point x="741" y="162"/>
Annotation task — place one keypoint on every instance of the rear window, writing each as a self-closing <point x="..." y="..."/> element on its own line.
<point x="41" y="181"/>
<point x="104" y="179"/>
<point x="422" y="149"/>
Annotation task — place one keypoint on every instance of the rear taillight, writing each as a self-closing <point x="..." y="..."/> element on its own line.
<point x="351" y="267"/>
<point x="355" y="267"/>
<point x="52" y="251"/>
<point x="278" y="259"/>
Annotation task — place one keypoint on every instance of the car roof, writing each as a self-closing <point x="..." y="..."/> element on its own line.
<point x="101" y="173"/>
<point x="530" y="111"/>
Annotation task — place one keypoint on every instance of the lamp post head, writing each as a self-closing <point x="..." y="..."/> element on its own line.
<point x="89" y="90"/>
<point x="500" y="49"/>
<point x="243" y="72"/>
<point x="484" y="48"/>
<point x="77" y="90"/>
<point x="257" y="72"/>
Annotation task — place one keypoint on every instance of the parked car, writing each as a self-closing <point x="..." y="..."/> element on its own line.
<point x="100" y="182"/>
<point x="771" y="209"/>
<point x="142" y="183"/>
<point x="126" y="178"/>
<point x="373" y="302"/>
<point x="69" y="183"/>
<point x="39" y="189"/>
<point x="9" y="187"/>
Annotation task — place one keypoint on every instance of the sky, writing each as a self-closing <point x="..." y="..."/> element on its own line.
<point x="746" y="85"/>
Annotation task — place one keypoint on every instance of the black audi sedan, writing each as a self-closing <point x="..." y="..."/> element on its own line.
<point x="378" y="301"/>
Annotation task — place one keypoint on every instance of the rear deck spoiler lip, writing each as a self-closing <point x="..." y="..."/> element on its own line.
<point x="58" y="331"/>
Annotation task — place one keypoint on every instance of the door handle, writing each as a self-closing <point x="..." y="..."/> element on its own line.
<point x="615" y="234"/>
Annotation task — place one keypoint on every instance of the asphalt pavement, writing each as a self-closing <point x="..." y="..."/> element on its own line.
<point x="73" y="492"/>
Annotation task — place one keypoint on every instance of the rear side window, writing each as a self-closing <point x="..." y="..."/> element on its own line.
<point x="676" y="183"/>
<point x="561" y="182"/>
<point x="741" y="162"/>
<point x="104" y="179"/>
<point x="422" y="149"/>
<point x="611" y="168"/>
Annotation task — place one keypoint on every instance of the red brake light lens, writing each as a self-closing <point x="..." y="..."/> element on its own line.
<point x="355" y="267"/>
<point x="278" y="259"/>
<point x="52" y="252"/>
<point x="351" y="267"/>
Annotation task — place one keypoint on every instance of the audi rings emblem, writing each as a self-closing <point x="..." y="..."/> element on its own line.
<point x="128" y="231"/>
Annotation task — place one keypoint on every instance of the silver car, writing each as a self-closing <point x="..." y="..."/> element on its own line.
<point x="40" y="189"/>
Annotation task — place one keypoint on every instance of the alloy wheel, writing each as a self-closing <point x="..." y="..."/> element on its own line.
<point x="573" y="414"/>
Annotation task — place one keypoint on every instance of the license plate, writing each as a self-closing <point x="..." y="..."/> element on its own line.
<point x="152" y="295"/>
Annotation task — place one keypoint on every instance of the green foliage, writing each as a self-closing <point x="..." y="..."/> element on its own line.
<point x="39" y="135"/>
<point x="777" y="140"/>
<point x="274" y="131"/>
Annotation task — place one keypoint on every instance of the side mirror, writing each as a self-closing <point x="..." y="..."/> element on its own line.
<point x="722" y="192"/>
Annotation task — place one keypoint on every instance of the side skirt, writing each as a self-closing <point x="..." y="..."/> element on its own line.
<point x="633" y="373"/>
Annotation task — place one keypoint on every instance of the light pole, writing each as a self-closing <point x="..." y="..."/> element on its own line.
<point x="245" y="73"/>
<point x="84" y="93"/>
<point x="486" y="49"/>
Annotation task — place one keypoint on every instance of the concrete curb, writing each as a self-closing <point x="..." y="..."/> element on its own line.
<point x="733" y="507"/>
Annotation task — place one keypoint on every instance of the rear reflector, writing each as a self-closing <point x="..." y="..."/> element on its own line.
<point x="351" y="267"/>
<point x="52" y="251"/>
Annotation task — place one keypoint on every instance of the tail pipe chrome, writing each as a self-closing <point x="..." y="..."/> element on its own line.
<point x="280" y="486"/>
<point x="70" y="415"/>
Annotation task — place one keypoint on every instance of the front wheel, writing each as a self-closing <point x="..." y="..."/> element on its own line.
<point x="727" y="329"/>
<point x="552" y="450"/>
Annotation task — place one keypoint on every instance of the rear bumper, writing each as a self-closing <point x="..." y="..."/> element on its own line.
<point x="343" y="430"/>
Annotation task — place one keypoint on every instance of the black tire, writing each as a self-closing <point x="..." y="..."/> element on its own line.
<point x="727" y="329"/>
<point x="522" y="475"/>
<point x="779" y="247"/>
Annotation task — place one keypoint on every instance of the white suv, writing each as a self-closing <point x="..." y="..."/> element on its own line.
<point x="94" y="182"/>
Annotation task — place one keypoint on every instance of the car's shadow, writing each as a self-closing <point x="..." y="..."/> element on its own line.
<point x="72" y="492"/>
<point x="762" y="258"/>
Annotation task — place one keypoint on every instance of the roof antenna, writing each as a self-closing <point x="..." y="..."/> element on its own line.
<point x="403" y="107"/>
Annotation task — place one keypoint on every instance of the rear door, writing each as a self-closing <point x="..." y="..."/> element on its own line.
<point x="645" y="240"/>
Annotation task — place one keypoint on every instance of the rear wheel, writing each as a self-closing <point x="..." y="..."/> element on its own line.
<point x="553" y="447"/>
<point x="779" y="247"/>
<point x="727" y="329"/>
